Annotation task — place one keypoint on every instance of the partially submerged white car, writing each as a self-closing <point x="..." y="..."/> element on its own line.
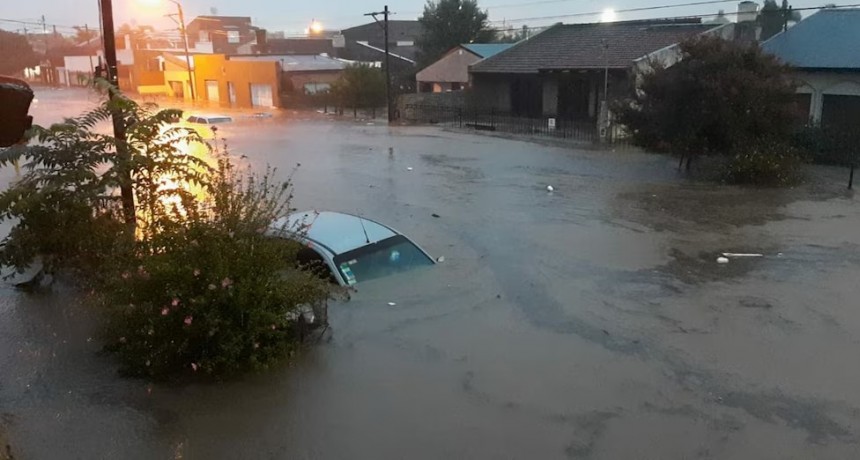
<point x="354" y="249"/>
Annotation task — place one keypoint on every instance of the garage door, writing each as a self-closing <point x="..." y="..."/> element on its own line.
<point x="261" y="95"/>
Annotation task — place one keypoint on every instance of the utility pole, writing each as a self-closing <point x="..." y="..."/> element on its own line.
<point x="92" y="68"/>
<point x="111" y="65"/>
<point x="385" y="13"/>
<point x="184" y="32"/>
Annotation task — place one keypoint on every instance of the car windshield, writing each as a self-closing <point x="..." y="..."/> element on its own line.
<point x="387" y="257"/>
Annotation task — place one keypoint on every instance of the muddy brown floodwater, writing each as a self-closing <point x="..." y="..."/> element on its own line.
<point x="592" y="322"/>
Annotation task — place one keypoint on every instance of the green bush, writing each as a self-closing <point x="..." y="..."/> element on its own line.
<point x="766" y="164"/>
<point x="209" y="292"/>
<point x="193" y="284"/>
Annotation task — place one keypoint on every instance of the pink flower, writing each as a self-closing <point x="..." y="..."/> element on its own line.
<point x="175" y="302"/>
<point x="226" y="283"/>
<point x="165" y="311"/>
<point x="196" y="272"/>
<point x="188" y="320"/>
<point x="273" y="327"/>
<point x="194" y="367"/>
<point x="122" y="340"/>
<point x="126" y="275"/>
<point x="256" y="345"/>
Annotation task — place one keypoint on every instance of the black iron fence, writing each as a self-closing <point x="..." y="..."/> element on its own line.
<point x="506" y="122"/>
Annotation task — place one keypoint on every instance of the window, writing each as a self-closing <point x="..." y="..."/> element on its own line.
<point x="154" y="65"/>
<point x="204" y="36"/>
<point x="233" y="36"/>
<point x="405" y="43"/>
<point x="456" y="86"/>
<point x="314" y="88"/>
<point x="389" y="256"/>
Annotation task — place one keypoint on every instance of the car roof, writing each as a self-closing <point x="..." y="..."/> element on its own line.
<point x="335" y="231"/>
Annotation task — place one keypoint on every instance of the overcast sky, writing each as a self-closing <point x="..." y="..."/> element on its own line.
<point x="293" y="16"/>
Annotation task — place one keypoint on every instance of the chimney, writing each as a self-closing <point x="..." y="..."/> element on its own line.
<point x="747" y="11"/>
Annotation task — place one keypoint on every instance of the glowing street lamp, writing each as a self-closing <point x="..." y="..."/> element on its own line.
<point x="184" y="32"/>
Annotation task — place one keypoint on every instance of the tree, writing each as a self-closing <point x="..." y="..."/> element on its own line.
<point x="774" y="18"/>
<point x="84" y="34"/>
<point x="720" y="98"/>
<point x="360" y="86"/>
<point x="513" y="35"/>
<point x="448" y="23"/>
<point x="198" y="286"/>
<point x="16" y="52"/>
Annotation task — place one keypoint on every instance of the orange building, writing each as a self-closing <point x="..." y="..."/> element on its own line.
<point x="237" y="84"/>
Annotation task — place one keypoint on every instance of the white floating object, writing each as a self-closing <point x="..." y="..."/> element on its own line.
<point x="734" y="254"/>
<point x="549" y="188"/>
<point x="722" y="260"/>
<point x="392" y="304"/>
<point x="440" y="259"/>
<point x="409" y="168"/>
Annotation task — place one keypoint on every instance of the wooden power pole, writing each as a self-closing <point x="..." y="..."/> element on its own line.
<point x="109" y="37"/>
<point x="385" y="13"/>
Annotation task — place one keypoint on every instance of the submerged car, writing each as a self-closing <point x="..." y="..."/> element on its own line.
<point x="350" y="249"/>
<point x="208" y="119"/>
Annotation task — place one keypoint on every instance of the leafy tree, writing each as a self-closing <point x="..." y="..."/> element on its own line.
<point x="773" y="18"/>
<point x="84" y="34"/>
<point x="65" y="206"/>
<point x="360" y="86"/>
<point x="720" y="98"/>
<point x="448" y="23"/>
<point x="16" y="54"/>
<point x="514" y="36"/>
<point x="197" y="286"/>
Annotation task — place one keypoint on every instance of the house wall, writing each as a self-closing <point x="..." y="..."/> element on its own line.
<point x="299" y="79"/>
<point x="242" y="74"/>
<point x="451" y="68"/>
<point x="821" y="83"/>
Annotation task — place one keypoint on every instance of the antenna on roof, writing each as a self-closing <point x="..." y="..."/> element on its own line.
<point x="366" y="238"/>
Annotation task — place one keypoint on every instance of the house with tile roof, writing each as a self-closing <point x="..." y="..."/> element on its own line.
<point x="824" y="49"/>
<point x="451" y="71"/>
<point x="566" y="71"/>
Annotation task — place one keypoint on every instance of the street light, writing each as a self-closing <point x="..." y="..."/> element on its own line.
<point x="184" y="33"/>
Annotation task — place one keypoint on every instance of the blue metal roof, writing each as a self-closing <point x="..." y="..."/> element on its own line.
<point x="829" y="39"/>
<point x="485" y="50"/>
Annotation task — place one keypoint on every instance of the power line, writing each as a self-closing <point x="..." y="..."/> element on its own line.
<point x="33" y="23"/>
<point x="629" y="10"/>
<point x="688" y="16"/>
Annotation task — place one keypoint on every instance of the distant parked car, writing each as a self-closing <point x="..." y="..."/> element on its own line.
<point x="350" y="249"/>
<point x="208" y="119"/>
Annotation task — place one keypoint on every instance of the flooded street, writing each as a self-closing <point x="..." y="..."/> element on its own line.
<point x="591" y="322"/>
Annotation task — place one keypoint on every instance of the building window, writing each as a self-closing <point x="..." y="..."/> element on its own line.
<point x="405" y="43"/>
<point x="204" y="36"/>
<point x="314" y="88"/>
<point x="456" y="86"/>
<point x="233" y="37"/>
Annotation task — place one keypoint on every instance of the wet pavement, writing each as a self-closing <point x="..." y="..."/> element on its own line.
<point x="592" y="322"/>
